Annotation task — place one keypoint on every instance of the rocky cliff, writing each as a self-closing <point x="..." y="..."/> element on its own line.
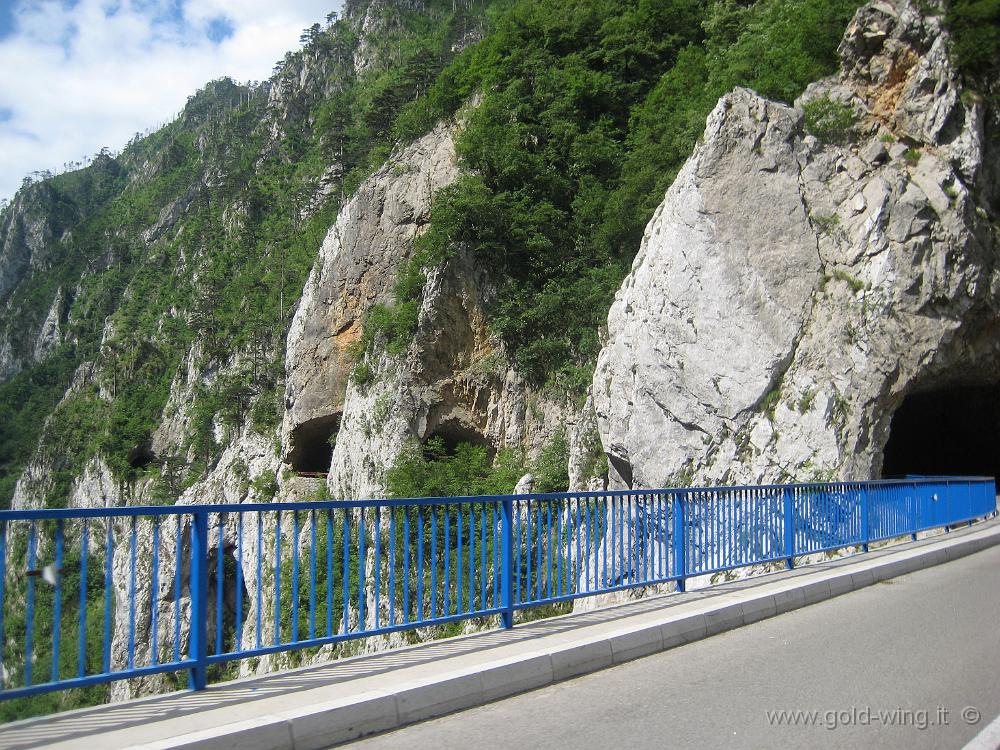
<point x="810" y="267"/>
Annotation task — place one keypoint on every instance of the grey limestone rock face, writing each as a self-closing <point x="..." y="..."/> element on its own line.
<point x="717" y="296"/>
<point x="356" y="268"/>
<point x="790" y="292"/>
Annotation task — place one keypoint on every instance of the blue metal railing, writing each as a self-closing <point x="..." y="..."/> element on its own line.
<point x="94" y="595"/>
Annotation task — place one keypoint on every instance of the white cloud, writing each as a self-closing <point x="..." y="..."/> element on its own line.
<point x="82" y="75"/>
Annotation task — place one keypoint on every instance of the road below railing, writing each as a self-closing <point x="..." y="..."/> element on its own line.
<point x="95" y="595"/>
<point x="910" y="666"/>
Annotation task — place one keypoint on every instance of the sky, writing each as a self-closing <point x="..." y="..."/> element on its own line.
<point x="80" y="75"/>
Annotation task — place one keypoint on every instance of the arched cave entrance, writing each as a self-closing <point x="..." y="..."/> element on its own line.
<point x="949" y="431"/>
<point x="141" y="456"/>
<point x="454" y="432"/>
<point x="311" y="444"/>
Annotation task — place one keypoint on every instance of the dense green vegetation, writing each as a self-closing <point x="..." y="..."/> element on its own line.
<point x="975" y="29"/>
<point x="587" y="111"/>
<point x="431" y="470"/>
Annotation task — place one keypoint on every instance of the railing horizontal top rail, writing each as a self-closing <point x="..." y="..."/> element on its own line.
<point x="183" y="509"/>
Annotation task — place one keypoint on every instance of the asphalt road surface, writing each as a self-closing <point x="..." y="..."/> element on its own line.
<point x="911" y="663"/>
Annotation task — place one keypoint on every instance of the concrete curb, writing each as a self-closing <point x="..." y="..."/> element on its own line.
<point x="334" y="713"/>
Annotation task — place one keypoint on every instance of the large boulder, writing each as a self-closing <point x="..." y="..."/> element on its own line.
<point x="791" y="291"/>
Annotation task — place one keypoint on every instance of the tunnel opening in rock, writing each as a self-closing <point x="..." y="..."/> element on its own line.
<point x="453" y="433"/>
<point x="141" y="456"/>
<point x="311" y="445"/>
<point x="947" y="431"/>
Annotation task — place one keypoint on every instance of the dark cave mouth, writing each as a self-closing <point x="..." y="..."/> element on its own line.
<point x="141" y="456"/>
<point x="454" y="433"/>
<point x="949" y="431"/>
<point x="311" y="444"/>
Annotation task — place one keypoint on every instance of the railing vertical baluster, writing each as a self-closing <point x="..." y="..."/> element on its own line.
<point x="622" y="559"/>
<point x="434" y="564"/>
<point x="632" y="547"/>
<point x="446" y="573"/>
<point x="57" y="603"/>
<point x="614" y="541"/>
<point x="865" y="530"/>
<point x="154" y="652"/>
<point x="658" y="539"/>
<point x="646" y="526"/>
<point x="131" y="595"/>
<point x="576" y="534"/>
<point x="527" y="551"/>
<point x="406" y="564"/>
<point x="294" y="593"/>
<point x="420" y="563"/>
<point x="471" y="560"/>
<point x="458" y="561"/>
<point x="599" y="532"/>
<point x="109" y="555"/>
<point x="914" y="514"/>
<point x="277" y="578"/>
<point x="700" y="510"/>
<point x="496" y="554"/>
<point x="482" y="554"/>
<point x="260" y="579"/>
<point x="712" y="532"/>
<point x="312" y="574"/>
<point x="789" y="527"/>
<point x="345" y="572"/>
<point x="199" y="593"/>
<point x="81" y="647"/>
<point x="537" y="567"/>
<point x="392" y="566"/>
<point x="720" y="541"/>
<point x="238" y="645"/>
<point x="219" y="587"/>
<point x="362" y="564"/>
<point x="734" y="529"/>
<point x="678" y="540"/>
<point x="178" y="569"/>
<point x="506" y="523"/>
<point x="377" y="556"/>
<point x="329" y="572"/>
<point x="516" y="521"/>
<point x="651" y="528"/>
<point x="558" y="550"/>
<point x="29" y="633"/>
<point x="548" y="548"/>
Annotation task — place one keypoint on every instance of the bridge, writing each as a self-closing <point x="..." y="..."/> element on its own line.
<point x="98" y="595"/>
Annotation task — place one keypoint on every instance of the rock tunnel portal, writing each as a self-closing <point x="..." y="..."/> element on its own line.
<point x="948" y="431"/>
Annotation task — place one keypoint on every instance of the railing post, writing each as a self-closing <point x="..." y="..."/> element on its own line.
<point x="915" y="513"/>
<point x="678" y="541"/>
<point x="789" y="528"/>
<point x="865" y="530"/>
<point x="198" y="637"/>
<point x="507" y="562"/>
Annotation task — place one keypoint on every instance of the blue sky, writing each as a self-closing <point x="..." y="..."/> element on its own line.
<point x="80" y="75"/>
